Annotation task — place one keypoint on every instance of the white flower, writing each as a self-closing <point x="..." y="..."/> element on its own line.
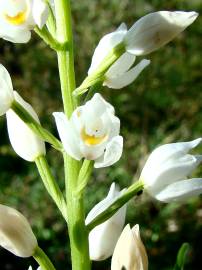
<point x="23" y="140"/>
<point x="155" y="30"/>
<point x="30" y="268"/>
<point x="103" y="238"/>
<point x="17" y="18"/>
<point x="92" y="132"/>
<point x="120" y="74"/>
<point x="166" y="170"/>
<point x="6" y="90"/>
<point x="147" y="35"/>
<point x="129" y="253"/>
<point x="15" y="233"/>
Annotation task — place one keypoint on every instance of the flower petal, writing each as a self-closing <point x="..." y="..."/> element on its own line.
<point x="15" y="35"/>
<point x="112" y="154"/>
<point x="103" y="238"/>
<point x="129" y="252"/>
<point x="155" y="30"/>
<point x="113" y="194"/>
<point x="127" y="77"/>
<point x="123" y="64"/>
<point x="165" y="152"/>
<point x="171" y="172"/>
<point x="40" y="12"/>
<point x="106" y="44"/>
<point x="6" y="90"/>
<point x="181" y="191"/>
<point x="23" y="140"/>
<point x="69" y="138"/>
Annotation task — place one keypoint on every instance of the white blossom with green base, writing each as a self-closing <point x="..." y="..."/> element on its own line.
<point x="166" y="170"/>
<point x="148" y="34"/>
<point x="23" y="140"/>
<point x="103" y="238"/>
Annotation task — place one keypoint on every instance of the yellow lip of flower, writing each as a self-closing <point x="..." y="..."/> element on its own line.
<point x="92" y="140"/>
<point x="19" y="19"/>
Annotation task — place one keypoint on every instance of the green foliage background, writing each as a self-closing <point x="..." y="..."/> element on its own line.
<point x="163" y="105"/>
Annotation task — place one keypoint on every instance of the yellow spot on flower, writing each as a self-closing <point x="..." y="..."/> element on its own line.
<point x="92" y="140"/>
<point x="19" y="19"/>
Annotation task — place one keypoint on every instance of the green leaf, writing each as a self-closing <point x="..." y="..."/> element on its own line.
<point x="182" y="256"/>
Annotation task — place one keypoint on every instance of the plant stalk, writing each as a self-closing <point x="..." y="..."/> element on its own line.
<point x="51" y="185"/>
<point x="75" y="206"/>
<point x="43" y="259"/>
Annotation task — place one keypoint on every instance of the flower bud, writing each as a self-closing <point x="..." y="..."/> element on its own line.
<point x="129" y="253"/>
<point x="92" y="132"/>
<point x="166" y="170"/>
<point x="23" y="140"/>
<point x="6" y="90"/>
<point x="15" y="233"/>
<point x="103" y="238"/>
<point x="155" y="30"/>
<point x="17" y="18"/>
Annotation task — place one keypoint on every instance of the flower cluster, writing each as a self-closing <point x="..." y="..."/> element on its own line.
<point x="92" y="132"/>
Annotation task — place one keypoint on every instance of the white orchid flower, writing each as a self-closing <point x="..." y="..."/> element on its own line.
<point x="166" y="170"/>
<point x="147" y="35"/>
<point x="17" y="18"/>
<point x="103" y="238"/>
<point x="30" y="268"/>
<point x="15" y="233"/>
<point x="23" y="140"/>
<point x="129" y="252"/>
<point x="92" y="132"/>
<point x="6" y="90"/>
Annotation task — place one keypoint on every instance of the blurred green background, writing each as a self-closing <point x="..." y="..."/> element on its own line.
<point x="163" y="105"/>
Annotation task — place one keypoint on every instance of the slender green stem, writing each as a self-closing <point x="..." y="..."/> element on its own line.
<point x="65" y="58"/>
<point x="51" y="185"/>
<point x="84" y="175"/>
<point x="127" y="195"/>
<point x="76" y="220"/>
<point x="75" y="206"/>
<point x="43" y="259"/>
<point x="35" y="126"/>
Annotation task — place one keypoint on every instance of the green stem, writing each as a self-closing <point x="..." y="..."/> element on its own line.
<point x="84" y="175"/>
<point x="127" y="195"/>
<point x="51" y="185"/>
<point x="75" y="206"/>
<point x="50" y="40"/>
<point x="35" y="126"/>
<point x="43" y="259"/>
<point x="65" y="58"/>
<point x="76" y="220"/>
